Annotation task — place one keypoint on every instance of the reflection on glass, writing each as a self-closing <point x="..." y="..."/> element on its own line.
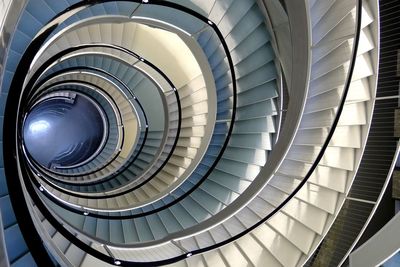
<point x="39" y="127"/>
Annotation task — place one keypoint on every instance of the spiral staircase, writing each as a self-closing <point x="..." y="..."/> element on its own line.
<point x="229" y="132"/>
